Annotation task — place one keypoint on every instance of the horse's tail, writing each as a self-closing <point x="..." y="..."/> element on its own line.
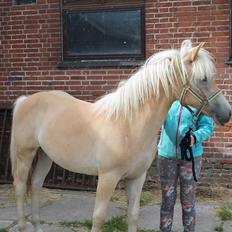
<point x="13" y="151"/>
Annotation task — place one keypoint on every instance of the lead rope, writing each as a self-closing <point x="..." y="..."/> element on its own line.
<point x="177" y="132"/>
<point x="186" y="147"/>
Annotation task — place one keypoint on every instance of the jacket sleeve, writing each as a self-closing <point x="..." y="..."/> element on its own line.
<point x="204" y="129"/>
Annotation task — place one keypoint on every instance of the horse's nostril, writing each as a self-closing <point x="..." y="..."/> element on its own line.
<point x="230" y="113"/>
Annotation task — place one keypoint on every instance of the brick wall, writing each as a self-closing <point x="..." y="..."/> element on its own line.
<point x="30" y="50"/>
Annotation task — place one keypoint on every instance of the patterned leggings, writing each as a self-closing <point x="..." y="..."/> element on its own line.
<point x="170" y="171"/>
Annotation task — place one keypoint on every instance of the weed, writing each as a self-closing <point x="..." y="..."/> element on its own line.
<point x="225" y="213"/>
<point x="115" y="199"/>
<point x="115" y="224"/>
<point x="219" y="228"/>
<point x="76" y="224"/>
<point x="146" y="198"/>
<point x="87" y="224"/>
<point x="3" y="230"/>
<point x="148" y="231"/>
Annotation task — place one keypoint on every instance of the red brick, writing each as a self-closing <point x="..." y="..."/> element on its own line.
<point x="31" y="49"/>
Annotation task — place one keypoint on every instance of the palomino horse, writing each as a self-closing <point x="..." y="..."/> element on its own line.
<point x="116" y="136"/>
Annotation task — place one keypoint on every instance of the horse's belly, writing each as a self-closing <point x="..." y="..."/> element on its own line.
<point x="69" y="147"/>
<point x="79" y="168"/>
<point x="78" y="162"/>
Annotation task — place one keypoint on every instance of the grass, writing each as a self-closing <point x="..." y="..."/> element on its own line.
<point x="116" y="224"/>
<point x="115" y="199"/>
<point x="3" y="230"/>
<point x="225" y="213"/>
<point x="87" y="224"/>
<point x="148" y="231"/>
<point x="146" y="198"/>
<point x="219" y="228"/>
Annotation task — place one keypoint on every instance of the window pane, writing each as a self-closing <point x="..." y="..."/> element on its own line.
<point x="104" y="32"/>
<point x="80" y="1"/>
<point x="24" y="1"/>
<point x="94" y="1"/>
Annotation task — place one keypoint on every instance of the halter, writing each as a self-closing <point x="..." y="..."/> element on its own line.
<point x="203" y="100"/>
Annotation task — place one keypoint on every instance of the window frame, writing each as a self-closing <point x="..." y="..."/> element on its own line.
<point x="72" y="61"/>
<point x="229" y="60"/>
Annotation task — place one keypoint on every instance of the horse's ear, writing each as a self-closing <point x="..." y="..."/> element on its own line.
<point x="186" y="45"/>
<point x="196" y="50"/>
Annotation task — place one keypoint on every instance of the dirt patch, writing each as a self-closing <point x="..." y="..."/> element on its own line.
<point x="217" y="195"/>
<point x="148" y="197"/>
<point x="214" y="195"/>
<point x="7" y="196"/>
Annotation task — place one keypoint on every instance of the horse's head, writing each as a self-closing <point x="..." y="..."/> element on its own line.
<point x="199" y="89"/>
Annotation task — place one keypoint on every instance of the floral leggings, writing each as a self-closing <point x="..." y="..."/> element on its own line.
<point x="170" y="171"/>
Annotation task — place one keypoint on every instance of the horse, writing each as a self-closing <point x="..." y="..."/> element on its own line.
<point x="114" y="137"/>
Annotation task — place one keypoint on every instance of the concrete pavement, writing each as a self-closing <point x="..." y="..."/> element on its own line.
<point x="60" y="209"/>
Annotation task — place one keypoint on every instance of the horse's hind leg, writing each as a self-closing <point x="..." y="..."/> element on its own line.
<point x="41" y="170"/>
<point x="134" y="189"/>
<point x="105" y="189"/>
<point x="24" y="160"/>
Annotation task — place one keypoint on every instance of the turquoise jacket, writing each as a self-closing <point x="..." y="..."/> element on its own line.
<point x="202" y="131"/>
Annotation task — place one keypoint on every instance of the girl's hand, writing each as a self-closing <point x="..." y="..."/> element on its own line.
<point x="192" y="141"/>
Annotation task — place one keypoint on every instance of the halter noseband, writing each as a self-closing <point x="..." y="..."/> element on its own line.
<point x="203" y="100"/>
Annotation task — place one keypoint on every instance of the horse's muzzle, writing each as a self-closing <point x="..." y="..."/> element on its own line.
<point x="222" y="117"/>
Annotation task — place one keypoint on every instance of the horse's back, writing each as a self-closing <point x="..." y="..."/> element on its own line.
<point x="34" y="111"/>
<point x="44" y="102"/>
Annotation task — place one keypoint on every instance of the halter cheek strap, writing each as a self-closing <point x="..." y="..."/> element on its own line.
<point x="202" y="100"/>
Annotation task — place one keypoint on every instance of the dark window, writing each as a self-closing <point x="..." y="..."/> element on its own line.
<point x="81" y="1"/>
<point x="103" y="31"/>
<point x="229" y="60"/>
<point x="23" y="2"/>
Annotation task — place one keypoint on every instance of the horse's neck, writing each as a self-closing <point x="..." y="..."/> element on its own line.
<point x="149" y="120"/>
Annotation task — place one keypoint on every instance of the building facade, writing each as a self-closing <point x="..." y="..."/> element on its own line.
<point x="42" y="48"/>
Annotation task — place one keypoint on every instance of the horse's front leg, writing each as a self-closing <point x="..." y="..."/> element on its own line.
<point x="134" y="190"/>
<point x="105" y="189"/>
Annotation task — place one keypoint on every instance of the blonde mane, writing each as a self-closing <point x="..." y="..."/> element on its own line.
<point x="203" y="66"/>
<point x="159" y="71"/>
